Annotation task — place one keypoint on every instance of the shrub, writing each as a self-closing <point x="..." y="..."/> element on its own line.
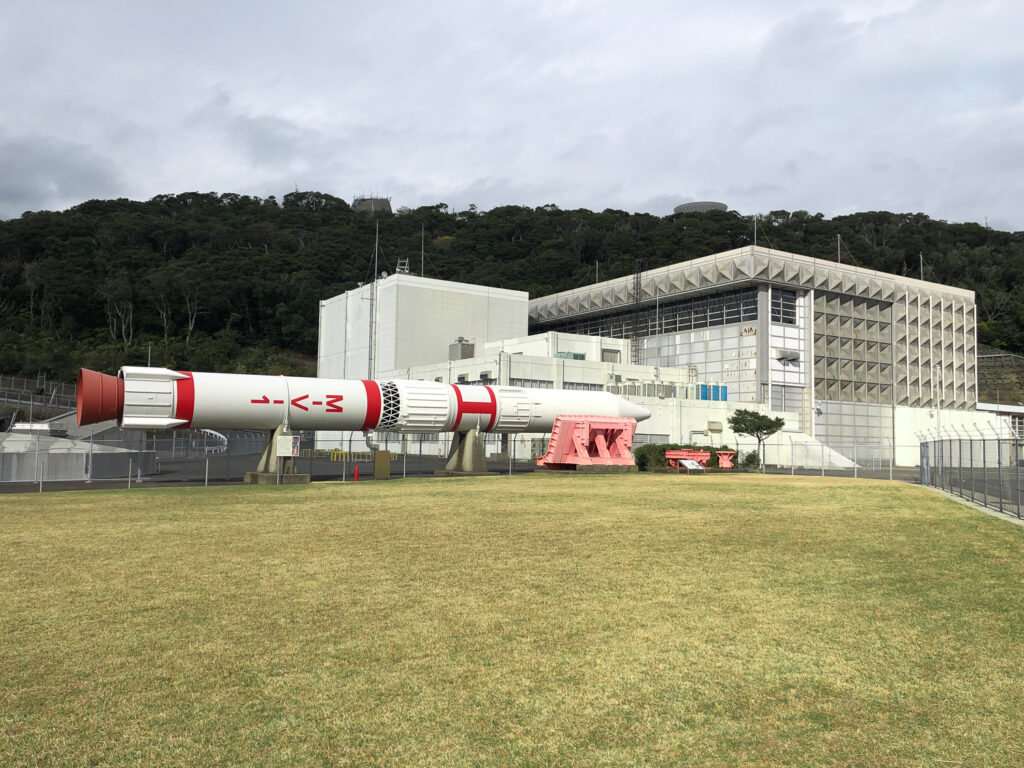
<point x="751" y="460"/>
<point x="651" y="457"/>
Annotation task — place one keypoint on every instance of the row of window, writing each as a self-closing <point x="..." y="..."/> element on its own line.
<point x="727" y="307"/>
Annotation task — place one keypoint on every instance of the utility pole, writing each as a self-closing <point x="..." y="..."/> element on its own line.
<point x="373" y="302"/>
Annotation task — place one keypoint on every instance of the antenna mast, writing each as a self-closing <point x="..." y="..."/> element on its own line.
<point x="373" y="303"/>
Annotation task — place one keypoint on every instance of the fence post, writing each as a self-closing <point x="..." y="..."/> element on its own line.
<point x="971" y="449"/>
<point x="792" y="457"/>
<point x="1016" y="469"/>
<point x="854" y="461"/>
<point x="999" y="470"/>
<point x="821" y="447"/>
<point x="984" y="467"/>
<point x="942" y="463"/>
<point x="129" y="472"/>
<point x="206" y="479"/>
<point x="960" y="468"/>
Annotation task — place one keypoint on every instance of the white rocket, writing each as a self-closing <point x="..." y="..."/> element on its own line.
<point x="159" y="398"/>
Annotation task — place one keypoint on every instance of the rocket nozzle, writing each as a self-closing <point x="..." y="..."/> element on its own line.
<point x="100" y="397"/>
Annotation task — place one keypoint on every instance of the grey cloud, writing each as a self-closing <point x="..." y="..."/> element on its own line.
<point x="45" y="173"/>
<point x="808" y="104"/>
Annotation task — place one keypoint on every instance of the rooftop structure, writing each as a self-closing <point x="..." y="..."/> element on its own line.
<point x="700" y="206"/>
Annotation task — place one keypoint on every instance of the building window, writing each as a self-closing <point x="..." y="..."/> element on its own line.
<point x="783" y="306"/>
<point x="669" y="316"/>
<point x="532" y="383"/>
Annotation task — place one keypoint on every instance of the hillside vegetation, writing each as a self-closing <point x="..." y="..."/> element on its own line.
<point x="233" y="283"/>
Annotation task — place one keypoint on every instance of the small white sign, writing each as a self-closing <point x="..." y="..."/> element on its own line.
<point x="287" y="445"/>
<point x="691" y="464"/>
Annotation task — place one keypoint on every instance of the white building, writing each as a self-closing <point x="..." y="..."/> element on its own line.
<point x="859" y="361"/>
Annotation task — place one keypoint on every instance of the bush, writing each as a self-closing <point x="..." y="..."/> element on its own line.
<point x="651" y="458"/>
<point x="750" y="460"/>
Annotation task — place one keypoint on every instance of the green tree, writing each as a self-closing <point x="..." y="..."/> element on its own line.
<point x="756" y="425"/>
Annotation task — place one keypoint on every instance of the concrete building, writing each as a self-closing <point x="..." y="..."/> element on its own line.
<point x="857" y="362"/>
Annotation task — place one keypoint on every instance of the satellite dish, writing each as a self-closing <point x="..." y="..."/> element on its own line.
<point x="384" y="273"/>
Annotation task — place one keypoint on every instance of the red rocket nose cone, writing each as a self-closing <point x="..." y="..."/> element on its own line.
<point x="100" y="397"/>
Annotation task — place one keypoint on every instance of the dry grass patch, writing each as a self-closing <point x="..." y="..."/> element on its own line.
<point x="532" y="620"/>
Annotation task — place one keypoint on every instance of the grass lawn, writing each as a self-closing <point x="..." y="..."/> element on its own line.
<point x="505" y="621"/>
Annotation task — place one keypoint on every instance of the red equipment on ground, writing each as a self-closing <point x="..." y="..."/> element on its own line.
<point x="725" y="459"/>
<point x="589" y="440"/>
<point x="701" y="457"/>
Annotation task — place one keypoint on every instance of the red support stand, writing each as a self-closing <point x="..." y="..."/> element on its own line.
<point x="588" y="441"/>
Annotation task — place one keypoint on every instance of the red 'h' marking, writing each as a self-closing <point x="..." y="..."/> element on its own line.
<point x="462" y="408"/>
<point x="184" y="399"/>
<point x="372" y="404"/>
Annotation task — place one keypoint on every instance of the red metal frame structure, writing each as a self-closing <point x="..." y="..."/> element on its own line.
<point x="589" y="440"/>
<point x="701" y="457"/>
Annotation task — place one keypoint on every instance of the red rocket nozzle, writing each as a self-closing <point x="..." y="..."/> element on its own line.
<point x="100" y="397"/>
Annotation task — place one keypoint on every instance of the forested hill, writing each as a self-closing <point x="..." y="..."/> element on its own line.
<point x="232" y="283"/>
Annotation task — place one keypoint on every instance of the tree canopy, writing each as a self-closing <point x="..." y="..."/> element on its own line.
<point x="231" y="282"/>
<point x="757" y="425"/>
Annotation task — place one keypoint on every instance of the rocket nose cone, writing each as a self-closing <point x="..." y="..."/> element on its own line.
<point x="632" y="410"/>
<point x="100" y="397"/>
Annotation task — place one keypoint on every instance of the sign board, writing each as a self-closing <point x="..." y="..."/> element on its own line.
<point x="287" y="445"/>
<point x="748" y="331"/>
<point x="690" y="464"/>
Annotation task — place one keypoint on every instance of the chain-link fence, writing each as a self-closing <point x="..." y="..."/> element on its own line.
<point x="880" y="460"/>
<point x="985" y="471"/>
<point x="44" y="461"/>
<point x="41" y="461"/>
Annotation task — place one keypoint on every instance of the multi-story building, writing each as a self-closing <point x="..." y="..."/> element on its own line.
<point x="849" y="356"/>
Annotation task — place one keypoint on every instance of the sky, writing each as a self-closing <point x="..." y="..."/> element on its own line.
<point x="830" y="107"/>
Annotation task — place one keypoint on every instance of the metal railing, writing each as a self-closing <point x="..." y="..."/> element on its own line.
<point x="38" y="385"/>
<point x="45" y="400"/>
<point x="985" y="471"/>
<point x="40" y="462"/>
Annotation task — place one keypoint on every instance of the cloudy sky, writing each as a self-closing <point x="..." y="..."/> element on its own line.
<point x="824" y="106"/>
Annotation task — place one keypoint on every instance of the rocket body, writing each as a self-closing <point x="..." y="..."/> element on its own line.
<point x="159" y="398"/>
